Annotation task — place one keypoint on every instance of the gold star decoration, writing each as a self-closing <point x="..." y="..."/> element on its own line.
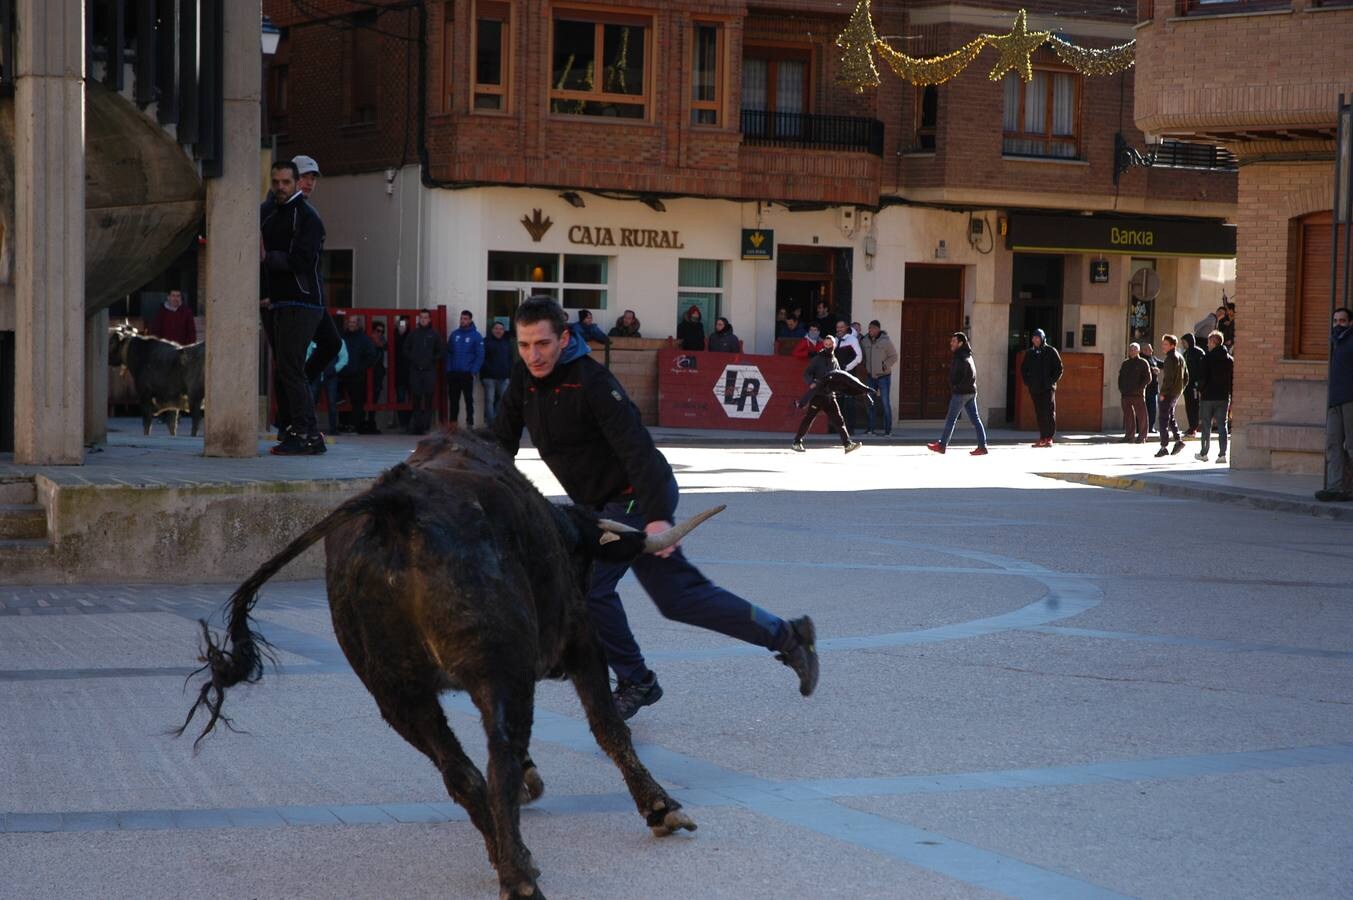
<point x="1015" y="48"/>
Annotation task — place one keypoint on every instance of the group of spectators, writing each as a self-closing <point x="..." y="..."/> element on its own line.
<point x="1151" y="387"/>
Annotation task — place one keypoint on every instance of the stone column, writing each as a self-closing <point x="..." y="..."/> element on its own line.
<point x="49" y="224"/>
<point x="232" y="246"/>
<point x="96" y="378"/>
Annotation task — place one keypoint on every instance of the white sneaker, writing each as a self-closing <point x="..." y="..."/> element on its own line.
<point x="1200" y="456"/>
<point x="1221" y="458"/>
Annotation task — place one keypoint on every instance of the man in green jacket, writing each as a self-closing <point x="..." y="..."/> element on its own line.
<point x="1174" y="378"/>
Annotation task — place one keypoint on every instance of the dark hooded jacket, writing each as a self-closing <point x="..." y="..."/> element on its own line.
<point x="724" y="341"/>
<point x="963" y="371"/>
<point x="1042" y="366"/>
<point x="1341" y="367"/>
<point x="691" y="334"/>
<point x="293" y="243"/>
<point x="1217" y="374"/>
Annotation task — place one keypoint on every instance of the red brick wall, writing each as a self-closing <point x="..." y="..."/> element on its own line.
<point x="1271" y="195"/>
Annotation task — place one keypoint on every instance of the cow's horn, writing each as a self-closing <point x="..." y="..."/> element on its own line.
<point x="673" y="535"/>
<point x="615" y="527"/>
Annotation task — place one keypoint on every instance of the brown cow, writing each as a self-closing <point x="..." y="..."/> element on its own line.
<point x="454" y="573"/>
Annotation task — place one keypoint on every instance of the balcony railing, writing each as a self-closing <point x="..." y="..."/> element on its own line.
<point x="1179" y="155"/>
<point x="812" y="132"/>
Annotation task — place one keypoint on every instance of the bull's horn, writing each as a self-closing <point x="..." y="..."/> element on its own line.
<point x="615" y="527"/>
<point x="671" y="536"/>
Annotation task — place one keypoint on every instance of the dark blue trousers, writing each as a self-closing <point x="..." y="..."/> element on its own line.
<point x="681" y="592"/>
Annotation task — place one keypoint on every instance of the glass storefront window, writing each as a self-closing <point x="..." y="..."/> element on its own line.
<point x="514" y="276"/>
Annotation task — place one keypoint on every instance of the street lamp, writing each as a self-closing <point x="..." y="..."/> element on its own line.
<point x="272" y="36"/>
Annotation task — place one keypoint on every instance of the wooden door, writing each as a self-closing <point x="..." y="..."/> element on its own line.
<point x="923" y="348"/>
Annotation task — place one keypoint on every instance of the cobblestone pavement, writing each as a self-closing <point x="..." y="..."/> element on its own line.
<point x="1030" y="688"/>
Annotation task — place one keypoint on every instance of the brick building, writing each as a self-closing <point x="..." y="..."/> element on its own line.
<point x="1263" y="78"/>
<point x="615" y="156"/>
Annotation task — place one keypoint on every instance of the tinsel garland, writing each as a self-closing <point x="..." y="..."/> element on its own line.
<point x="857" y="60"/>
<point x="1109" y="61"/>
<point x="859" y="39"/>
<point x="932" y="69"/>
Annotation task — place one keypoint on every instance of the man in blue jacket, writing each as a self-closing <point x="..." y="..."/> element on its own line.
<point x="590" y="435"/>
<point x="1339" y="417"/>
<point x="464" y="358"/>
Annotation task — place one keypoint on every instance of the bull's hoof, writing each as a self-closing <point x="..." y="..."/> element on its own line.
<point x="532" y="786"/>
<point x="672" y="821"/>
<point x="522" y="890"/>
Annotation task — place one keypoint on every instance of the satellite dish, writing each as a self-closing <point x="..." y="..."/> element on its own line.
<point x="1145" y="284"/>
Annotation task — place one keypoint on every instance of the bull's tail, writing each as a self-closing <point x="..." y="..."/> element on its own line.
<point x="241" y="656"/>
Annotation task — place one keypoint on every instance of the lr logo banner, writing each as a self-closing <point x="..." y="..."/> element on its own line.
<point x="742" y="391"/>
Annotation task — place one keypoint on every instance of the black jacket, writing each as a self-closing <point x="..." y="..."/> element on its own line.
<point x="362" y="355"/>
<point x="1218" y="371"/>
<point x="819" y="368"/>
<point x="691" y="335"/>
<point x="497" y="357"/>
<point x="1041" y="369"/>
<point x="293" y="243"/>
<point x="588" y="433"/>
<point x="963" y="372"/>
<point x="1193" y="358"/>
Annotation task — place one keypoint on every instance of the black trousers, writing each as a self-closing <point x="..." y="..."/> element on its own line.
<point x="327" y="343"/>
<point x="292" y="329"/>
<point x="1045" y="407"/>
<point x="355" y="390"/>
<point x="821" y="404"/>
<point x="460" y="384"/>
<point x="1191" y="407"/>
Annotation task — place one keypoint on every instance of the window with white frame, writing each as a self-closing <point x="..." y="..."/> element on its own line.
<point x="577" y="281"/>
<point x="1042" y="117"/>
<point x="700" y="284"/>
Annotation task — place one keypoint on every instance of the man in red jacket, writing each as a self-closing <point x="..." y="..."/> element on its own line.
<point x="174" y="322"/>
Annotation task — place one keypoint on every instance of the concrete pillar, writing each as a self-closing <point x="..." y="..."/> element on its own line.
<point x="96" y="378"/>
<point x="232" y="246"/>
<point x="49" y="225"/>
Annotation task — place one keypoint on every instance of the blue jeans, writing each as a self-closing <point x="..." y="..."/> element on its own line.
<point x="680" y="592"/>
<point x="884" y="404"/>
<point x="1208" y="410"/>
<point x="494" y="388"/>
<point x="963" y="403"/>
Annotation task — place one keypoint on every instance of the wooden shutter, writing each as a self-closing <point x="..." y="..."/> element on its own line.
<point x="1311" y="322"/>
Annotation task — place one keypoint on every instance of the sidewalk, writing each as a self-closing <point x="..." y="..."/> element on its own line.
<point x="1085" y="458"/>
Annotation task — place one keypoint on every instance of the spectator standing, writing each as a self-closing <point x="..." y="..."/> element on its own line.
<point x="378" y="373"/>
<point x="1339" y="413"/>
<point x="825" y="320"/>
<point x="290" y="247"/>
<point x="962" y="396"/>
<point x="402" y="416"/>
<point x="585" y="329"/>
<point x="879" y="358"/>
<point x="1041" y="370"/>
<point x="791" y="327"/>
<point x="811" y="343"/>
<point x="1214" y="402"/>
<point x="1153" y="387"/>
<point x="1133" y="376"/>
<point x="628" y="326"/>
<point x="424" y="348"/>
<point x="691" y="332"/>
<point x="1174" y="377"/>
<point x="1226" y="323"/>
<point x="362" y="356"/>
<point x="464" y="357"/>
<point x="497" y="367"/>
<point x="723" y="340"/>
<point x="174" y="320"/>
<point x="851" y="358"/>
<point x="1193" y="358"/>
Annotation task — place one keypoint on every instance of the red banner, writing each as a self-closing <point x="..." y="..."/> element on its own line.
<point x="740" y="391"/>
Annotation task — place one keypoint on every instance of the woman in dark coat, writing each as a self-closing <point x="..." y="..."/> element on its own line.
<point x="723" y="340"/>
<point x="691" y="331"/>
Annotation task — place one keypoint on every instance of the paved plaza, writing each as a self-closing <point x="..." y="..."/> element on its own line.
<point x="1031" y="687"/>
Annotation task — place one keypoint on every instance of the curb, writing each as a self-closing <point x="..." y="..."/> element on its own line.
<point x="1255" y="499"/>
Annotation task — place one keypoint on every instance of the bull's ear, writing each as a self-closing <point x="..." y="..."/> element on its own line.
<point x="613" y="547"/>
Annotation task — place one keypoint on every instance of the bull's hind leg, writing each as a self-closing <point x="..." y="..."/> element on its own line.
<point x="587" y="667"/>
<point x="418" y="718"/>
<point x="506" y="706"/>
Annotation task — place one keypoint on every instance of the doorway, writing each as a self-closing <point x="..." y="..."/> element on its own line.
<point x="1036" y="302"/>
<point x="932" y="310"/>
<point x="806" y="276"/>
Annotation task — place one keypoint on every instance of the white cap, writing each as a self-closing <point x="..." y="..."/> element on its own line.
<point x="305" y="164"/>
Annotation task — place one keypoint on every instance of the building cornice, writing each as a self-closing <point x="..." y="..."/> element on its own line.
<point x="985" y="198"/>
<point x="998" y="21"/>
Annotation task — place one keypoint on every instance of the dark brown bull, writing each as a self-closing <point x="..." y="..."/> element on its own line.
<point x="454" y="573"/>
<point x="169" y="377"/>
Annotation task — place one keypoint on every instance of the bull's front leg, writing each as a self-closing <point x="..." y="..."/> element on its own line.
<point x="586" y="666"/>
<point x="147" y="415"/>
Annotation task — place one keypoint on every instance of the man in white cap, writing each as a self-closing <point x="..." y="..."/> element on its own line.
<point x="309" y="170"/>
